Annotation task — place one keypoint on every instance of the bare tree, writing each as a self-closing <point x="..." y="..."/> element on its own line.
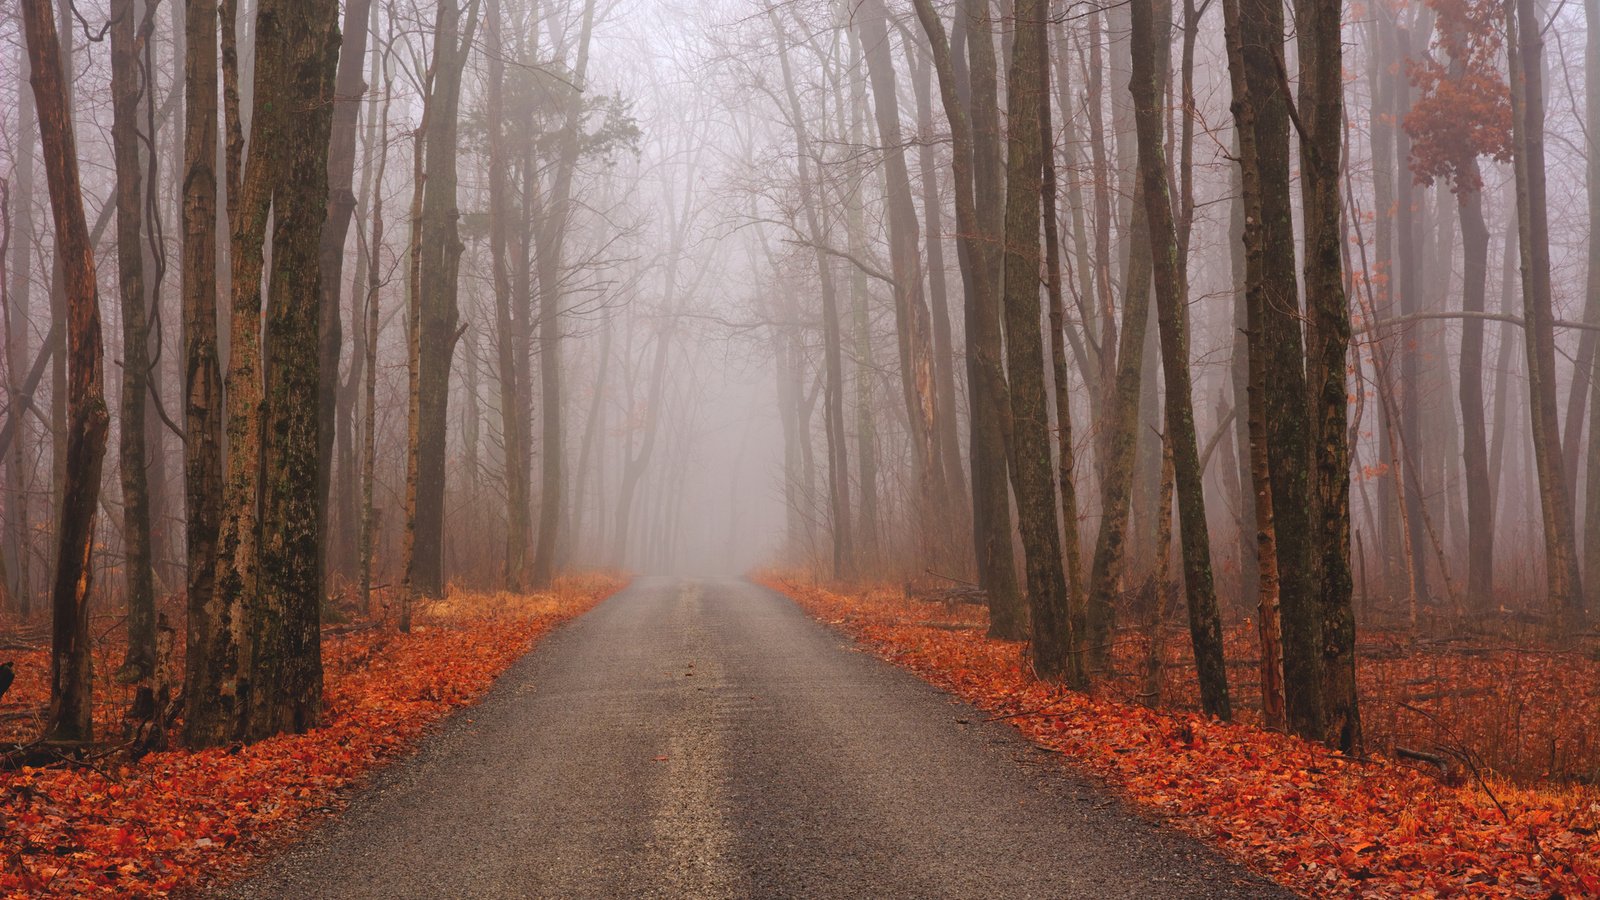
<point x="71" y="714"/>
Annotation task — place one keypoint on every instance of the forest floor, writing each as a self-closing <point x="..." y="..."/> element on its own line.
<point x="177" y="820"/>
<point x="1311" y="819"/>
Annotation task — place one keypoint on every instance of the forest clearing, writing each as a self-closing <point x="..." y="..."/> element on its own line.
<point x="1200" y="398"/>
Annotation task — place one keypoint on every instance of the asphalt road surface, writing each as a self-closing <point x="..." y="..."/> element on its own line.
<point x="693" y="738"/>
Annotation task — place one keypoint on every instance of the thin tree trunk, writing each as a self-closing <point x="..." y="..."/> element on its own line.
<point x="438" y="270"/>
<point x="1066" y="449"/>
<point x="21" y="234"/>
<point x="975" y="156"/>
<point x="1119" y="442"/>
<point x="71" y="712"/>
<point x="1327" y="355"/>
<point x="869" y="552"/>
<point x="1475" y="448"/>
<point x="1591" y="530"/>
<point x="211" y="650"/>
<point x="341" y="161"/>
<point x="833" y="365"/>
<point x="943" y="354"/>
<point x="139" y="660"/>
<point x="1150" y="38"/>
<point x="1269" y="617"/>
<point x="369" y="428"/>
<point x="1525" y="46"/>
<point x="1100" y="174"/>
<point x="509" y="331"/>
<point x="551" y="240"/>
<point x="1052" y="643"/>
<point x="8" y="601"/>
<point x="912" y="319"/>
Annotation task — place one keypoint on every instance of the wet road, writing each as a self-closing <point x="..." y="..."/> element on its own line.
<point x="696" y="738"/>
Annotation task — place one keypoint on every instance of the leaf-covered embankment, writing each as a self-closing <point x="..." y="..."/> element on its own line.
<point x="1309" y="818"/>
<point x="180" y="820"/>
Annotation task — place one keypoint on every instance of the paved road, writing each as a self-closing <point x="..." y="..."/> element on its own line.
<point x="705" y="739"/>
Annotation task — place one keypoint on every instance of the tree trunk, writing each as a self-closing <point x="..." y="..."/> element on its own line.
<point x="1100" y="177"/>
<point x="912" y="320"/>
<point x="833" y="365"/>
<point x="975" y="156"/>
<point x="1525" y="46"/>
<point x="439" y="265"/>
<point x="369" y="428"/>
<point x="1119" y="442"/>
<point x="1066" y="449"/>
<point x="1327" y="355"/>
<point x="510" y="331"/>
<point x="1150" y="38"/>
<point x="1408" y="281"/>
<point x="1269" y="594"/>
<point x="869" y="551"/>
<point x="211" y="648"/>
<point x="1591" y="75"/>
<point x="943" y="354"/>
<point x="1475" y="447"/>
<point x="1054" y="650"/>
<point x="341" y="162"/>
<point x="1287" y="409"/>
<point x="285" y="618"/>
<point x="139" y="661"/>
<point x="8" y="602"/>
<point x="551" y="240"/>
<point x="13" y="453"/>
<point x="71" y="712"/>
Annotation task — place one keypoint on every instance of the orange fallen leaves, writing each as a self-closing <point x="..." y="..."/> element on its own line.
<point x="180" y="819"/>
<point x="1311" y="819"/>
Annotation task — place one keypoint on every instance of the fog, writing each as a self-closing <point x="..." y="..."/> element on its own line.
<point x="690" y="288"/>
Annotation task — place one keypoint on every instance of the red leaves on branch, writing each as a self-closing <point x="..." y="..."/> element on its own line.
<point x="1309" y="818"/>
<point x="180" y="820"/>
<point x="1463" y="110"/>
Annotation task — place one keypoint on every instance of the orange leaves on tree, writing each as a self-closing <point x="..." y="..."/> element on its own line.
<point x="1463" y="110"/>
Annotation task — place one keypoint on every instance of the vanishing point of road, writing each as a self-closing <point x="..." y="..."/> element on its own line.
<point x="704" y="738"/>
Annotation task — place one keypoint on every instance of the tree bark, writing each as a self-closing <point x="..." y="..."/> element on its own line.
<point x="1525" y="46"/>
<point x="912" y="319"/>
<point x="511" y="332"/>
<point x="126" y="88"/>
<point x="285" y="618"/>
<point x="1053" y="649"/>
<point x="1475" y="447"/>
<point x="1269" y="590"/>
<point x="550" y="242"/>
<point x="71" y="713"/>
<point x="1150" y="38"/>
<point x="439" y="265"/>
<point x="341" y="161"/>
<point x="211" y="649"/>
<point x="1327" y="354"/>
<point x="975" y="161"/>
<point x="1287" y="409"/>
<point x="833" y="365"/>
